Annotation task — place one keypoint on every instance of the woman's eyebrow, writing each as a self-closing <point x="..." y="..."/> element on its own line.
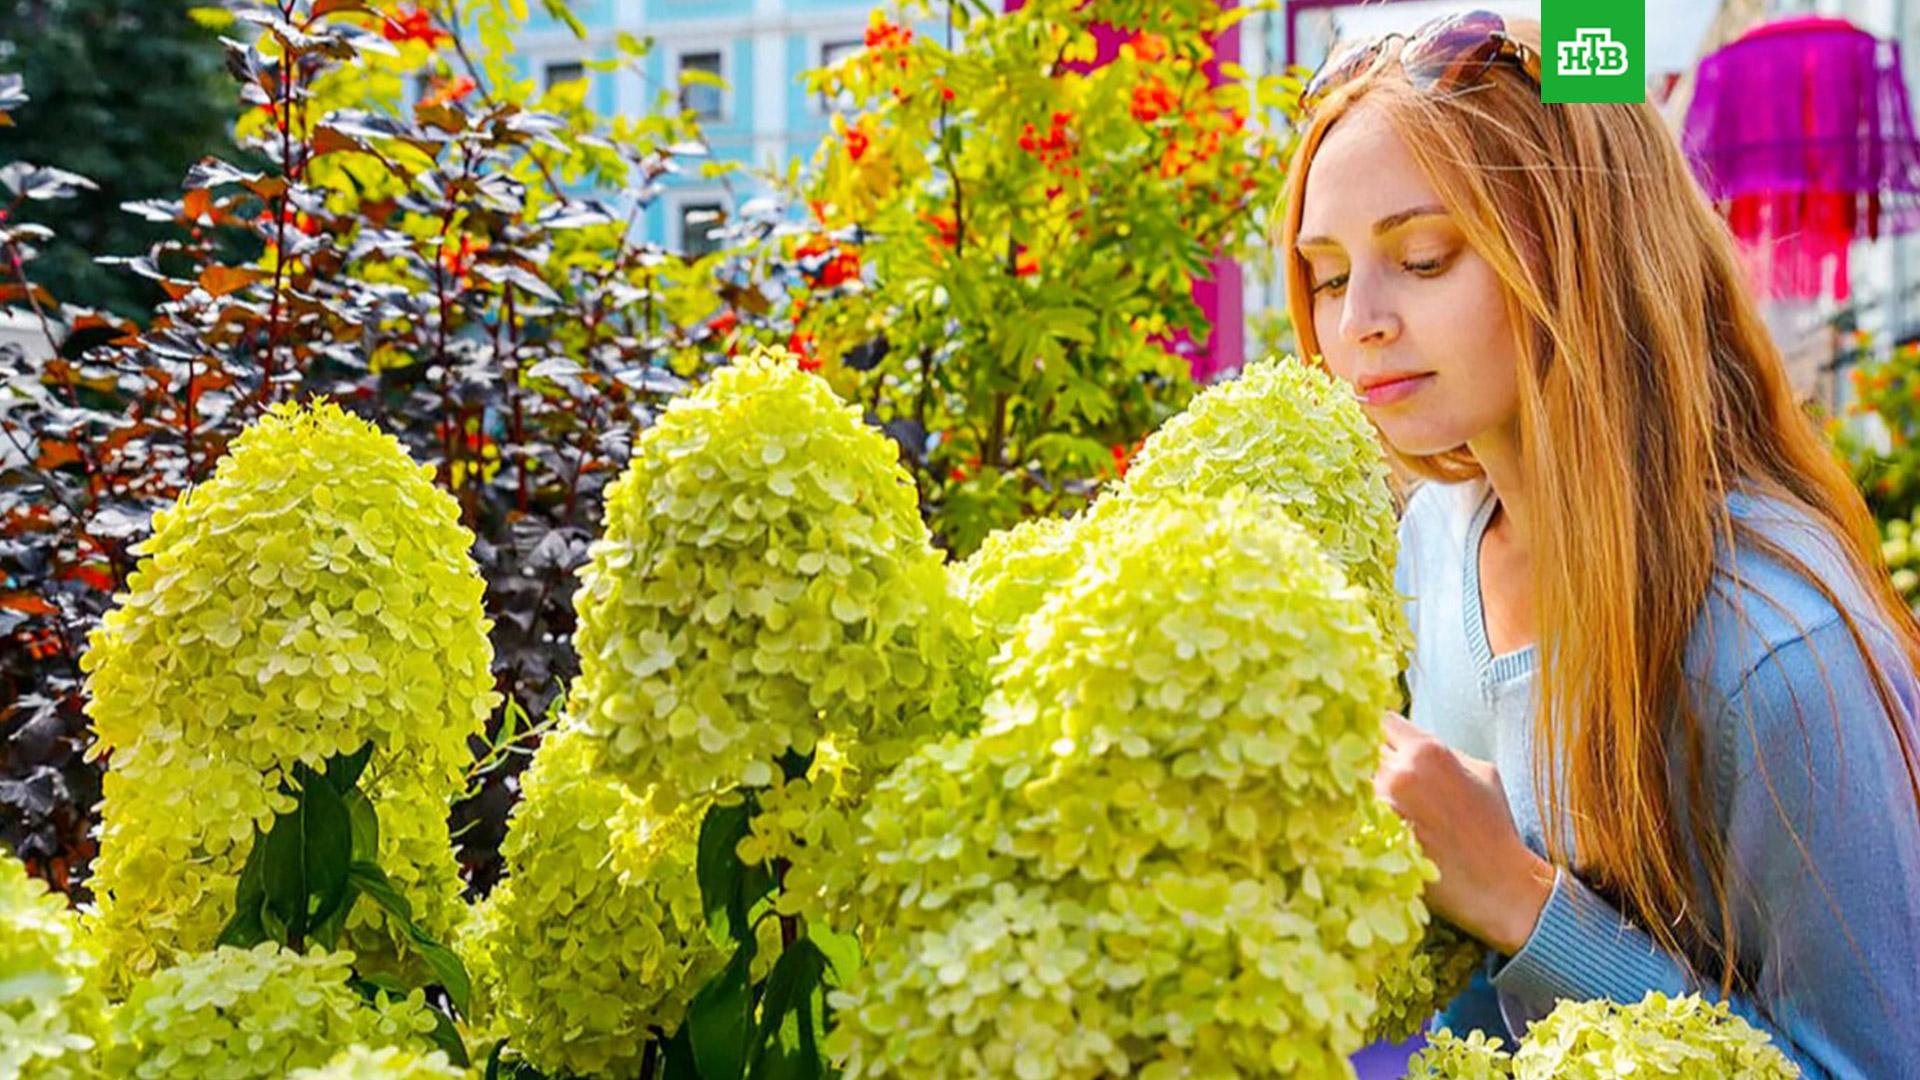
<point x="1380" y="228"/>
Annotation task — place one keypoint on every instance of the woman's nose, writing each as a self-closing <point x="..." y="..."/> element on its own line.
<point x="1365" y="317"/>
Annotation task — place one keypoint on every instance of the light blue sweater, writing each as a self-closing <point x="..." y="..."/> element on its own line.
<point x="1822" y="838"/>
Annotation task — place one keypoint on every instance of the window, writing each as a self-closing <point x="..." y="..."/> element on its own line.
<point x="703" y="97"/>
<point x="565" y="71"/>
<point x="698" y="223"/>
<point x="831" y="53"/>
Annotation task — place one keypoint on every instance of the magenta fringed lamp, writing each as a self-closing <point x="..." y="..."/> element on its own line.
<point x="1801" y="133"/>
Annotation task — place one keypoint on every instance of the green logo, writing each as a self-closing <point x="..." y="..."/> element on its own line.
<point x="1596" y="50"/>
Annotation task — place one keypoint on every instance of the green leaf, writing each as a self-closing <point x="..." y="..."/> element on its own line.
<point x="789" y="1059"/>
<point x="794" y="765"/>
<point x="677" y="1060"/>
<point x="841" y="951"/>
<point x="212" y="18"/>
<point x="728" y="886"/>
<point x="344" y="770"/>
<point x="511" y="721"/>
<point x="446" y="965"/>
<point x="720" y="1019"/>
<point x="795" y="975"/>
<point x="632" y="46"/>
<point x="275" y="926"/>
<point x="1071" y="324"/>
<point x="327" y="933"/>
<point x="789" y="994"/>
<point x="379" y="982"/>
<point x="373" y="881"/>
<point x="307" y="855"/>
<point x="718" y="864"/>
<point x="365" y="826"/>
<point x="809" y="1048"/>
<point x="245" y="929"/>
<point x="447" y="1037"/>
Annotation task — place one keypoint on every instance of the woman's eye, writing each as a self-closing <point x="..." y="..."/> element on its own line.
<point x="1332" y="284"/>
<point x="1425" y="266"/>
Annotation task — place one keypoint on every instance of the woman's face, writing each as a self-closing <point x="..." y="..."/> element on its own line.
<point x="1404" y="309"/>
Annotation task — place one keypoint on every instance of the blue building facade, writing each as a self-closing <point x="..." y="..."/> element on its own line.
<point x="764" y="117"/>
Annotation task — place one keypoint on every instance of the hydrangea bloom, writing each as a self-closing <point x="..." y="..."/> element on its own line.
<point x="597" y="934"/>
<point x="315" y="594"/>
<point x="386" y="1063"/>
<point x="1408" y="994"/>
<point x="1438" y="972"/>
<point x="1291" y="430"/>
<point x="764" y="579"/>
<point x="1161" y="853"/>
<point x="51" y="1011"/>
<point x="1682" y="1038"/>
<point x="808" y="822"/>
<point x="253" y="1014"/>
<point x="1015" y="569"/>
<point x="1449" y="1057"/>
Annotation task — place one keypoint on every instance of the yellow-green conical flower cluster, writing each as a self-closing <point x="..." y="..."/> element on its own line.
<point x="764" y="579"/>
<point x="597" y="935"/>
<point x="1016" y="569"/>
<point x="315" y="594"/>
<point x="1437" y="972"/>
<point x="1160" y="855"/>
<point x="1290" y="430"/>
<point x="1683" y="1038"/>
<point x="51" y="1010"/>
<point x="385" y="1063"/>
<point x="253" y="1014"/>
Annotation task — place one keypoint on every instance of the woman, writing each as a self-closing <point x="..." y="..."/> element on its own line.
<point x="1663" y="695"/>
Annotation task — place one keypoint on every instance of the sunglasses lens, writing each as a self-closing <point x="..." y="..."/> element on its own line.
<point x="1459" y="30"/>
<point x="1457" y="50"/>
<point x="1449" y="51"/>
<point x="1341" y="67"/>
<point x="1453" y="50"/>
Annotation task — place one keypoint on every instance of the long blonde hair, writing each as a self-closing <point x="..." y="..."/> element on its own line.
<point x="1649" y="389"/>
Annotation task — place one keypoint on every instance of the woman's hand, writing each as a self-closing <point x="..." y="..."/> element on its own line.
<point x="1491" y="884"/>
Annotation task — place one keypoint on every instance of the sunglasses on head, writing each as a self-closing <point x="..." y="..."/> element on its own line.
<point x="1445" y="53"/>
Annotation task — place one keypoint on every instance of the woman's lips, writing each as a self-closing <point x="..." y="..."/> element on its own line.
<point x="1386" y="393"/>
